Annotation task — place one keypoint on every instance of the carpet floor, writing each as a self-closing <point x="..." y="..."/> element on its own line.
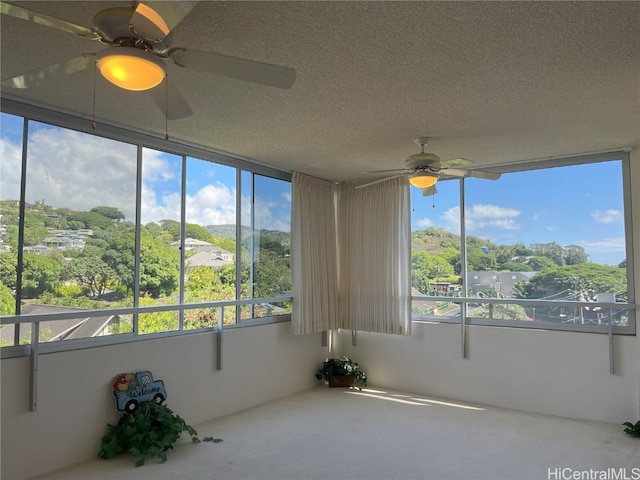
<point x="342" y="434"/>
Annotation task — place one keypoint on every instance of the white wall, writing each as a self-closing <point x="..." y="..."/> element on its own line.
<point x="75" y="397"/>
<point x="550" y="372"/>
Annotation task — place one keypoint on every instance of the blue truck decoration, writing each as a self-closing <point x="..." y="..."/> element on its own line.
<point x="131" y="389"/>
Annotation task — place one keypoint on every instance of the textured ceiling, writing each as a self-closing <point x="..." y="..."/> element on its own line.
<point x="494" y="82"/>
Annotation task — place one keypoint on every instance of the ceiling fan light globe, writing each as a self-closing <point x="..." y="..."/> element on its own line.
<point x="131" y="68"/>
<point x="423" y="179"/>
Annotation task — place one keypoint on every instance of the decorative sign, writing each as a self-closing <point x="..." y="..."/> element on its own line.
<point x="131" y="389"/>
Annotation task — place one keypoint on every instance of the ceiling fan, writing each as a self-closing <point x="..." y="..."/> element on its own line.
<point x="423" y="170"/>
<point x="139" y="50"/>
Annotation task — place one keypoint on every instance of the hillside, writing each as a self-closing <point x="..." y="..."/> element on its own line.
<point x="432" y="240"/>
<point x="229" y="232"/>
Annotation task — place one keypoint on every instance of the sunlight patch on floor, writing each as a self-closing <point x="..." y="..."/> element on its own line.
<point x="408" y="399"/>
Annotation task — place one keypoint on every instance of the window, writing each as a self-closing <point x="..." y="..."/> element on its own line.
<point x="545" y="246"/>
<point x="110" y="238"/>
<point x="10" y="220"/>
<point x="210" y="240"/>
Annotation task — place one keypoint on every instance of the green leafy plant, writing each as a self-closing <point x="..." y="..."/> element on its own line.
<point x="341" y="367"/>
<point x="633" y="429"/>
<point x="149" y="431"/>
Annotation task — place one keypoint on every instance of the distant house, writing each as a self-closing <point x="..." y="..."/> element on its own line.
<point x="65" y="241"/>
<point x="191" y="243"/>
<point x="39" y="249"/>
<point x="213" y="257"/>
<point x="500" y="282"/>
<point x="443" y="288"/>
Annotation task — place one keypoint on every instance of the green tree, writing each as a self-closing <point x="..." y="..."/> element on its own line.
<point x="520" y="250"/>
<point x="537" y="264"/>
<point x="159" y="267"/>
<point x="119" y="255"/>
<point x="172" y="227"/>
<point x="40" y="274"/>
<point x="109" y="212"/>
<point x="505" y="312"/>
<point x="272" y="245"/>
<point x="156" y="321"/>
<point x="92" y="273"/>
<point x="91" y="220"/>
<point x="504" y="254"/>
<point x="514" y="267"/>
<point x="426" y="267"/>
<point x="479" y="261"/>
<point x="272" y="275"/>
<point x="453" y="257"/>
<point x="8" y="269"/>
<point x="574" y="254"/>
<point x="7" y="301"/>
<point x="35" y="230"/>
<point x="550" y="250"/>
<point x="198" y="232"/>
<point x="586" y="279"/>
<point x="11" y="236"/>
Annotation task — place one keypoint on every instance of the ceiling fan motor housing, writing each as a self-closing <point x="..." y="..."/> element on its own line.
<point x="422" y="160"/>
<point x="113" y="23"/>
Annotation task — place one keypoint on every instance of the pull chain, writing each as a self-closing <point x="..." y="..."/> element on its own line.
<point x="166" y="107"/>
<point x="93" y="123"/>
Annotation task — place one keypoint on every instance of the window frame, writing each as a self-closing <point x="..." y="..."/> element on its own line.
<point x="621" y="155"/>
<point x="141" y="140"/>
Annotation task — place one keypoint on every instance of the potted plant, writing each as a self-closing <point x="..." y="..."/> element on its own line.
<point x="633" y="429"/>
<point x="342" y="372"/>
<point x="148" y="431"/>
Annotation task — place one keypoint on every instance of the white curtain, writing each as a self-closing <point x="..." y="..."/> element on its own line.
<point x="313" y="255"/>
<point x="351" y="256"/>
<point x="374" y="257"/>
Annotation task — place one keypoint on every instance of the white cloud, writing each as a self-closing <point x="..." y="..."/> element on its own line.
<point x="212" y="205"/>
<point x="603" y="245"/>
<point x="264" y="219"/>
<point x="608" y="216"/>
<point x="74" y="170"/>
<point x="10" y="167"/>
<point x="81" y="171"/>
<point x="482" y="216"/>
<point x="424" y="223"/>
<point x="157" y="167"/>
<point x="609" y="250"/>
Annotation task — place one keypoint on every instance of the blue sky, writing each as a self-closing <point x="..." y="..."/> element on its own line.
<point x="579" y="205"/>
<point x="82" y="171"/>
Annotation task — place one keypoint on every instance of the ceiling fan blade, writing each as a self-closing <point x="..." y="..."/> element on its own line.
<point x="483" y="174"/>
<point x="170" y="101"/>
<point x="380" y="180"/>
<point x="234" y="67"/>
<point x="456" y="162"/>
<point x="456" y="172"/>
<point x="432" y="190"/>
<point x="45" y="74"/>
<point x="154" y="20"/>
<point x="47" y="21"/>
